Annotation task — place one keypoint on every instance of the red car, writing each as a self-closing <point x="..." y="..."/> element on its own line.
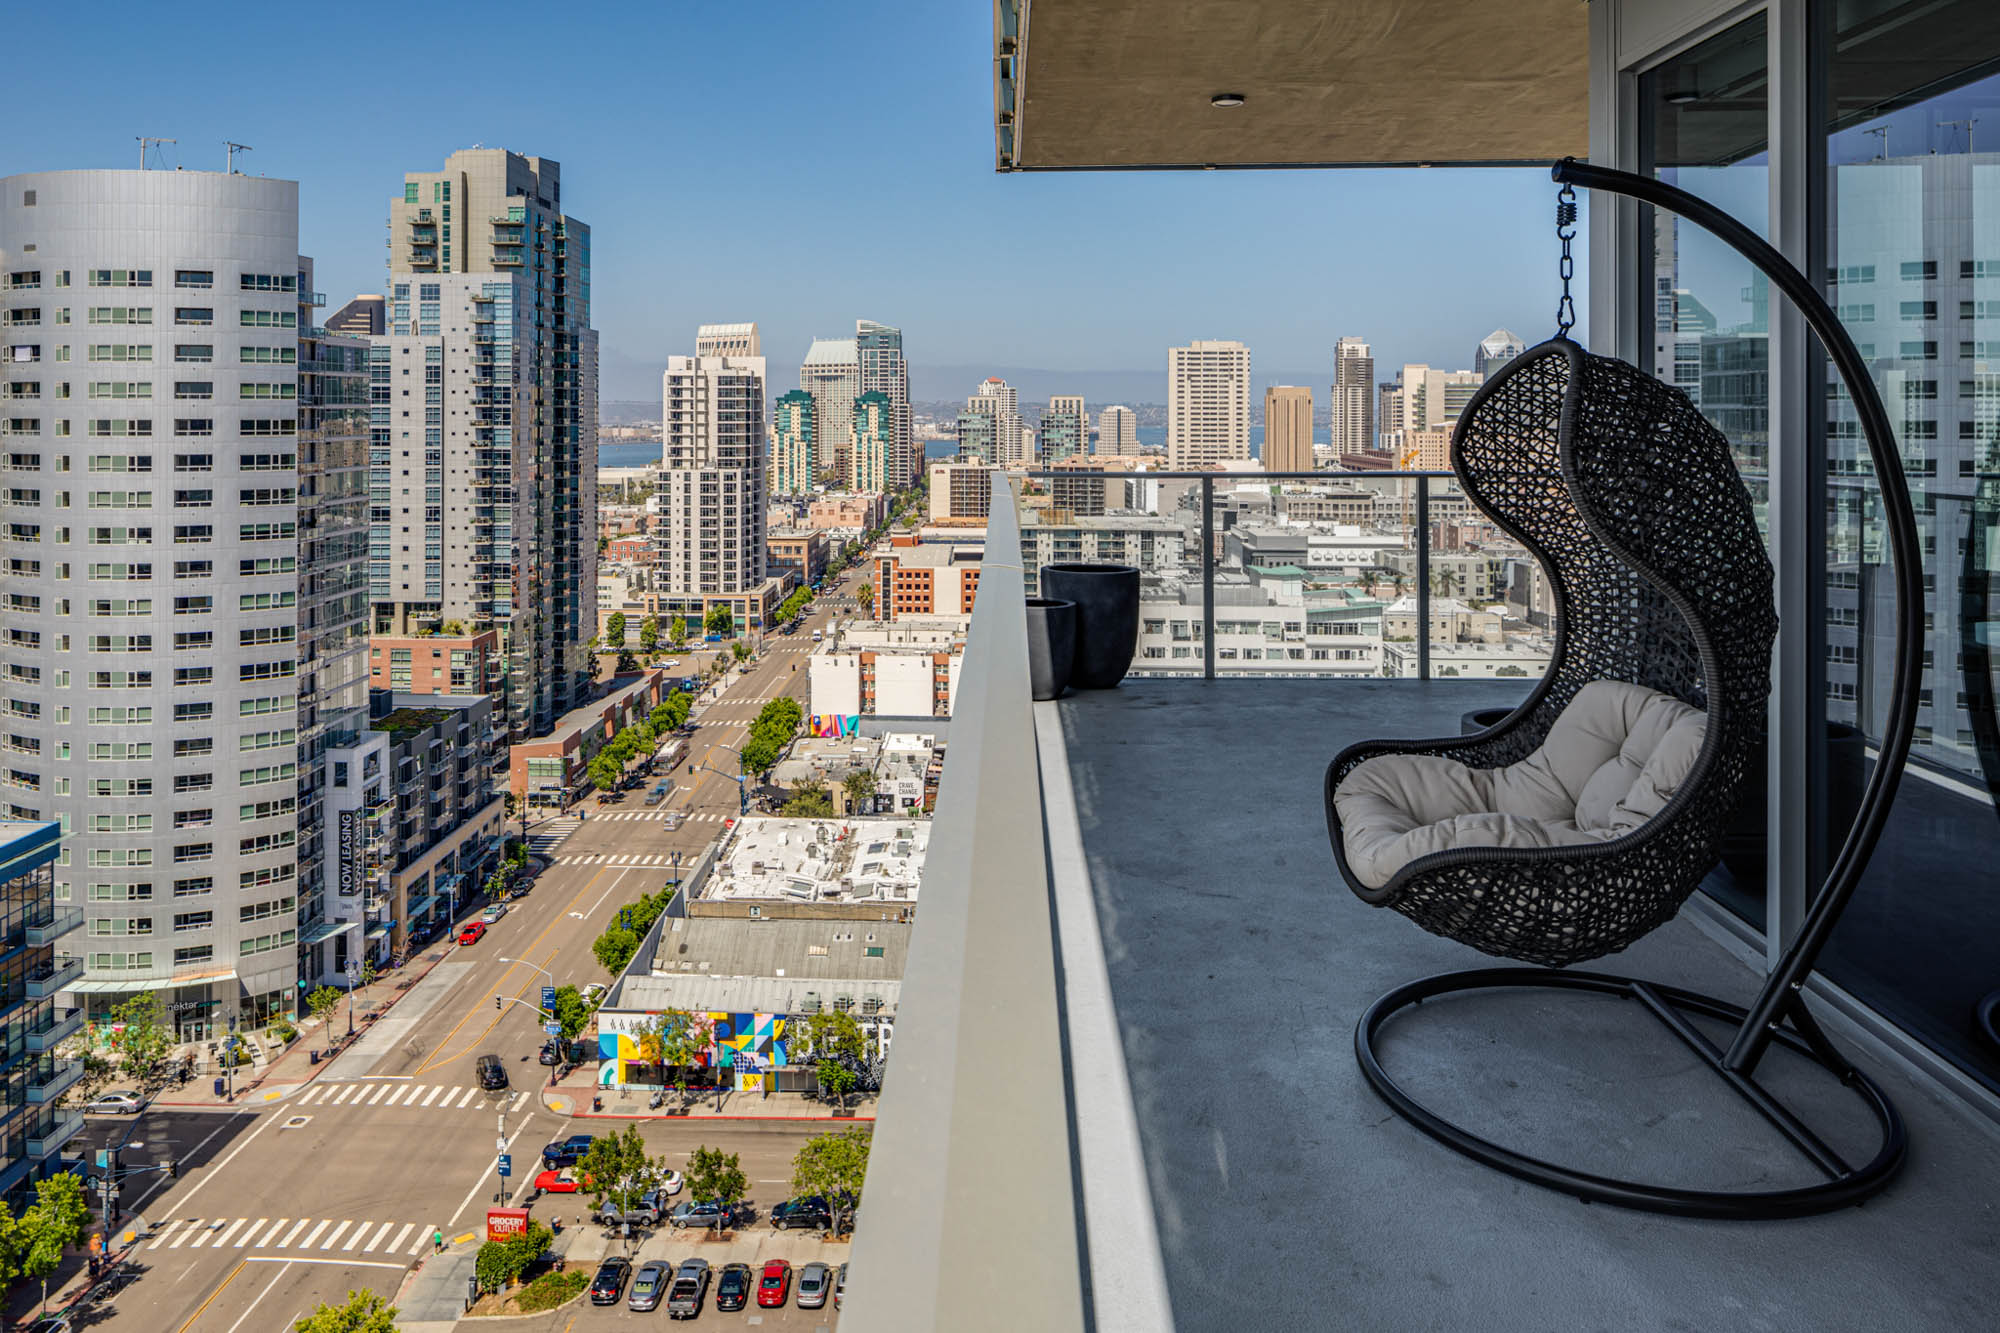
<point x="564" y="1181"/>
<point x="473" y="930"/>
<point x="775" y="1285"/>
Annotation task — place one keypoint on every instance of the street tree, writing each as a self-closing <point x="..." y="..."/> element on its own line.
<point x="685" y="1038"/>
<point x="617" y="1171"/>
<point x="712" y="1174"/>
<point x="809" y="801"/>
<point x="833" y="1166"/>
<point x="836" y="1045"/>
<point x="719" y="621"/>
<point x="865" y="595"/>
<point x="362" y="1312"/>
<point x="740" y="649"/>
<point x="572" y="1011"/>
<point x="500" y="1263"/>
<point x="614" y="948"/>
<point x="53" y="1223"/>
<point x="860" y="785"/>
<point x="605" y="770"/>
<point x="677" y="633"/>
<point x="323" y="1002"/>
<point x="143" y="1041"/>
<point x="649" y="634"/>
<point x="614" y="629"/>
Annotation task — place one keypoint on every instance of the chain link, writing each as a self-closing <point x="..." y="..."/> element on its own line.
<point x="1566" y="269"/>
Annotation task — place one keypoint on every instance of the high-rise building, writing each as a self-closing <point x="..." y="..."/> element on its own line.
<point x="171" y="302"/>
<point x="1353" y="397"/>
<point x="1288" y="428"/>
<point x="978" y="435"/>
<point x="1496" y="349"/>
<point x="727" y="340"/>
<point x="794" y="444"/>
<point x="333" y="504"/>
<point x="485" y="425"/>
<point x="1002" y="401"/>
<point x="1388" y="409"/>
<point x="1429" y="397"/>
<point x="1117" y="431"/>
<point x="34" y="1125"/>
<point x="832" y="375"/>
<point x="879" y="351"/>
<point x="1208" y="404"/>
<point x="711" y="534"/>
<point x="1065" y="430"/>
<point x="365" y="316"/>
<point x="875" y="455"/>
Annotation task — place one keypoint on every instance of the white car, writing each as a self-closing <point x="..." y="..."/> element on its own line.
<point x="493" y="913"/>
<point x="593" y="993"/>
<point x="115" y="1103"/>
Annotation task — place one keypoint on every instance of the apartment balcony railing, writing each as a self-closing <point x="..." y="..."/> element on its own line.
<point x="52" y="924"/>
<point x="60" y="1130"/>
<point x="55" y="1030"/>
<point x="49" y="1078"/>
<point x="47" y="981"/>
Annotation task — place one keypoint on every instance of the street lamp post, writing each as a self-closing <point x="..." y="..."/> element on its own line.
<point x="229" y="1057"/>
<point x="353" y="975"/>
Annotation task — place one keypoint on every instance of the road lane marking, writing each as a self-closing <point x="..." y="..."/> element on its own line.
<point x="286" y="1243"/>
<point x="335" y="1237"/>
<point x="211" y="1297"/>
<point x="311" y="1241"/>
<point x="187" y="1232"/>
<point x="260" y="1296"/>
<point x="360" y="1230"/>
<point x="424" y="1236"/>
<point x="519" y="1130"/>
<point x="311" y="1259"/>
<point x="376" y="1243"/>
<point x="434" y="1094"/>
<point x="160" y="1237"/>
<point x="344" y="1094"/>
<point x="252" y="1231"/>
<point x="378" y="1094"/>
<point x="212" y="1172"/>
<point x="470" y="1093"/>
<point x="276" y="1227"/>
<point x="223" y="1239"/>
<point x="312" y="1095"/>
<point x="397" y="1095"/>
<point x="401" y="1236"/>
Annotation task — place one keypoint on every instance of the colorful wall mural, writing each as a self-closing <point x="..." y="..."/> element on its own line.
<point x="748" y="1045"/>
<point x="834" y="726"/>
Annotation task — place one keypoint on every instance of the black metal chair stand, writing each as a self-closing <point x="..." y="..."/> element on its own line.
<point x="1632" y="504"/>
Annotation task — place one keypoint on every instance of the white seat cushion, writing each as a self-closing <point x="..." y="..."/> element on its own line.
<point x="1611" y="762"/>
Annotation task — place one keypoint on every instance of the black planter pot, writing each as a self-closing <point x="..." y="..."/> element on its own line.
<point x="1107" y="619"/>
<point x="1051" y="646"/>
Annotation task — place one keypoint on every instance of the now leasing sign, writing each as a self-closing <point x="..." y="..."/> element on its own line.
<point x="506" y="1223"/>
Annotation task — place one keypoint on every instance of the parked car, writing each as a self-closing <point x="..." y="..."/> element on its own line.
<point x="839" y="1285"/>
<point x="815" y="1281"/>
<point x="593" y="993"/>
<point x="520" y="887"/>
<point x="649" y="1284"/>
<point x="809" y="1211"/>
<point x="473" y="930"/>
<point x="658" y="793"/>
<point x="690" y="1289"/>
<point x="674" y="820"/>
<point x="775" y="1285"/>
<point x="562" y="1181"/>
<point x="493" y="913"/>
<point x="708" y="1213"/>
<point x="647" y="1211"/>
<point x="609" y="1284"/>
<point x="551" y="1052"/>
<point x="732" y="1290"/>
<point x="115" y="1103"/>
<point x="492" y="1074"/>
<point x="569" y="1151"/>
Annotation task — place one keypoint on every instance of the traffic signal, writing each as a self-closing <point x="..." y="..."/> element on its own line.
<point x="173" y="1169"/>
<point x="497" y="1003"/>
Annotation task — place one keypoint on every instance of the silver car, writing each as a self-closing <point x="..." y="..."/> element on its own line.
<point x="689" y="1291"/>
<point x="815" y="1281"/>
<point x="649" y="1285"/>
<point x="115" y="1103"/>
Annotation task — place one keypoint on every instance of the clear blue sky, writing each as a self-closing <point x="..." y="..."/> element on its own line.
<point x="799" y="164"/>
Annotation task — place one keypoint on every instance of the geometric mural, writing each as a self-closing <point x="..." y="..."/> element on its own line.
<point x="749" y="1045"/>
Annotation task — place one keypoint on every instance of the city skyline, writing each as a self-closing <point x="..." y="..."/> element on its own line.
<point x="1467" y="256"/>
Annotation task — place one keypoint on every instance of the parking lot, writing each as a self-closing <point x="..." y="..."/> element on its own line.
<point x="753" y="1245"/>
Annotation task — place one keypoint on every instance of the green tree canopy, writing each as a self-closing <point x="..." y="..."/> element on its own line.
<point x="833" y="1166"/>
<point x="500" y="1263"/>
<point x="714" y="1174"/>
<point x="618" y="1171"/>
<point x="677" y="632"/>
<point x="614" y="629"/>
<point x="572" y="1011"/>
<point x="719" y="621"/>
<point x="809" y="801"/>
<point x="362" y="1312"/>
<point x="143" y="1040"/>
<point x="865" y="595"/>
<point x="53" y="1223"/>
<point x="860" y="785"/>
<point x="831" y="1040"/>
<point x="649" y="634"/>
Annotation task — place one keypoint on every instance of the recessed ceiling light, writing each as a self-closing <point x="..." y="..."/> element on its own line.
<point x="1682" y="96"/>
<point x="1226" y="99"/>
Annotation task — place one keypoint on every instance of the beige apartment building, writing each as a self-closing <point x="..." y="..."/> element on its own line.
<point x="1288" y="428"/>
<point x="1117" y="431"/>
<point x="1208" y="404"/>
<point x="961" y="493"/>
<point x="1353" y="397"/>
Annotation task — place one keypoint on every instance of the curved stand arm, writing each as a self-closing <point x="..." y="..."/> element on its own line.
<point x="1779" y="997"/>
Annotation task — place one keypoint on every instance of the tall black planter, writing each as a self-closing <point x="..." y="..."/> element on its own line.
<point x="1107" y="619"/>
<point x="1051" y="646"/>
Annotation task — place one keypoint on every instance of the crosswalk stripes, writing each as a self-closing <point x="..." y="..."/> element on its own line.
<point x="550" y="835"/>
<point x="348" y="1236"/>
<point x="421" y="1096"/>
<point x="629" y="859"/>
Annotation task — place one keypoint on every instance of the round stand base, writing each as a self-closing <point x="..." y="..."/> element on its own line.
<point x="1844" y="1185"/>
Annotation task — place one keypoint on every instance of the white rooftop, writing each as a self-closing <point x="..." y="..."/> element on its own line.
<point x="820" y="860"/>
<point x="833" y="352"/>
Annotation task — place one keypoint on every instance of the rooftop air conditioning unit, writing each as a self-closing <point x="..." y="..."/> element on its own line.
<point x="843" y="1003"/>
<point x="810" y="1005"/>
<point x="871" y="1005"/>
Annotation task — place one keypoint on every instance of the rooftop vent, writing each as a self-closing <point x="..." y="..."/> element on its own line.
<point x="810" y="1005"/>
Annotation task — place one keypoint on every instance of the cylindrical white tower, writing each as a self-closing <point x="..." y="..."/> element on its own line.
<point x="148" y="510"/>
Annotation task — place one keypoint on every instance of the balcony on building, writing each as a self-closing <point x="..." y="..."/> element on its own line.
<point x="1132" y="994"/>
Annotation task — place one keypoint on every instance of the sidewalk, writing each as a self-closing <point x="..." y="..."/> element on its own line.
<point x="578" y="1098"/>
<point x="263" y="1082"/>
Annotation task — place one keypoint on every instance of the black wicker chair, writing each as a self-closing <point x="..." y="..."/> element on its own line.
<point x="1633" y="505"/>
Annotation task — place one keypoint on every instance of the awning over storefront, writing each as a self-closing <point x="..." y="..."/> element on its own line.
<point x="381" y="932"/>
<point x="326" y="930"/>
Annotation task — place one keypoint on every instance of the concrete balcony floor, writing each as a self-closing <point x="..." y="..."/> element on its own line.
<point x="1287" y="1195"/>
